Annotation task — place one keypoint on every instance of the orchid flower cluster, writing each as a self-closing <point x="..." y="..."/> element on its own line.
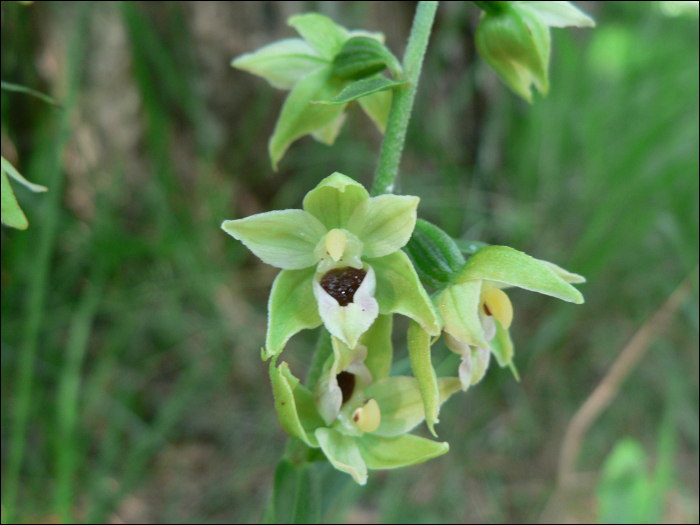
<point x="350" y="261"/>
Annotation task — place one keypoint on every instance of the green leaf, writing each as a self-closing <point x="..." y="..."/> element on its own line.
<point x="283" y="238"/>
<point x="362" y="88"/>
<point x="299" y="117"/>
<point x="292" y="307"/>
<point x="458" y="305"/>
<point x="379" y="347"/>
<point x="334" y="199"/>
<point x="434" y="254"/>
<point x="511" y="267"/>
<point x="326" y="37"/>
<point x="282" y="63"/>
<point x="419" y="353"/>
<point x="12" y="172"/>
<point x="361" y="57"/>
<point x="287" y="392"/>
<point x="377" y="108"/>
<point x="401" y="451"/>
<point x="399" y="291"/>
<point x="343" y="453"/>
<point x="502" y="346"/>
<point x="12" y="214"/>
<point x="401" y="403"/>
<point x="384" y="224"/>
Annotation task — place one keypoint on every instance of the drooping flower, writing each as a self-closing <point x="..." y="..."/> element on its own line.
<point x="341" y="262"/>
<point x="310" y="68"/>
<point x="477" y="312"/>
<point x="356" y="414"/>
<point x="513" y="37"/>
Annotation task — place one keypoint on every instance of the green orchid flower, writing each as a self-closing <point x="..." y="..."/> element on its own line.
<point x="477" y="313"/>
<point x="513" y="37"/>
<point x="356" y="414"/>
<point x="341" y="262"/>
<point x="317" y="67"/>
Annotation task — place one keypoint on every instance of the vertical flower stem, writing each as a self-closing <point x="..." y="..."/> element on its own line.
<point x="395" y="136"/>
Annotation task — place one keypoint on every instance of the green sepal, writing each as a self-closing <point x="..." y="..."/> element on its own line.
<point x="362" y="57"/>
<point x="561" y="14"/>
<point x="458" y="305"/>
<point x="502" y="345"/>
<point x="12" y="214"/>
<point x="399" y="291"/>
<point x="400" y="451"/>
<point x="419" y="353"/>
<point x="362" y="88"/>
<point x="435" y="254"/>
<point x="511" y="267"/>
<point x="401" y="402"/>
<point x="569" y="277"/>
<point x="282" y="63"/>
<point x="291" y="308"/>
<point x="377" y="108"/>
<point x="343" y="453"/>
<point x="324" y="35"/>
<point x="379" y="347"/>
<point x="299" y="117"/>
<point x="334" y="200"/>
<point x="384" y="223"/>
<point x="12" y="172"/>
<point x="283" y="238"/>
<point x="294" y="404"/>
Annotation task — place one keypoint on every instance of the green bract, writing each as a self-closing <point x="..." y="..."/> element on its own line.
<point x="356" y="414"/>
<point x="514" y="39"/>
<point x="477" y="313"/>
<point x="317" y="68"/>
<point x="341" y="262"/>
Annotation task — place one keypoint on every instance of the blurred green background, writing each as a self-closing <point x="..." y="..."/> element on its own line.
<point x="132" y="385"/>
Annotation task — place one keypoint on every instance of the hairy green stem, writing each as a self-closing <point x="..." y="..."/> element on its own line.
<point x="395" y="136"/>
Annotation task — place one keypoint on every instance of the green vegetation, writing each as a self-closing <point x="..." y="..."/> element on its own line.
<point x="132" y="385"/>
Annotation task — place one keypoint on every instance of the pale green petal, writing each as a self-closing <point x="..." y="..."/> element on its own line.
<point x="502" y="346"/>
<point x="511" y="267"/>
<point x="401" y="451"/>
<point x="401" y="403"/>
<point x="561" y="14"/>
<point x="284" y="238"/>
<point x="459" y="307"/>
<point x="379" y="347"/>
<point x="343" y="453"/>
<point x="282" y="63"/>
<point x="293" y="400"/>
<point x="384" y="224"/>
<point x="377" y="107"/>
<point x="12" y="214"/>
<point x="569" y="277"/>
<point x="321" y="32"/>
<point x="291" y="308"/>
<point x="399" y="291"/>
<point x="419" y="353"/>
<point x="334" y="199"/>
<point x="299" y="117"/>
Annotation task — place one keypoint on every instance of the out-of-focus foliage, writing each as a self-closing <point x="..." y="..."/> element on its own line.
<point x="132" y="327"/>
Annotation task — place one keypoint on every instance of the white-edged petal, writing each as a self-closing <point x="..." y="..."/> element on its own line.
<point x="348" y="323"/>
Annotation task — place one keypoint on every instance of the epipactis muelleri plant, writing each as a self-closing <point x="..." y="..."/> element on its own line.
<point x="350" y="261"/>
